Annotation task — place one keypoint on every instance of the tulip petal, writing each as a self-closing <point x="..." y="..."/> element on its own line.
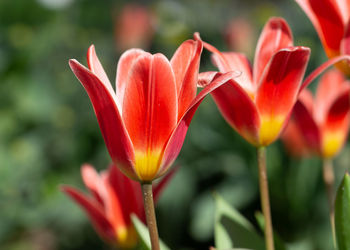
<point x="328" y="89"/>
<point x="150" y="111"/>
<point x="339" y="111"/>
<point x="307" y="126"/>
<point x="314" y="74"/>
<point x="94" y="211"/>
<point x="92" y="181"/>
<point x="96" y="67"/>
<point x="336" y="126"/>
<point x="276" y="35"/>
<point x="238" y="110"/>
<point x="123" y="69"/>
<point x="344" y="8"/>
<point x="236" y="62"/>
<point x="177" y="138"/>
<point x="278" y="90"/>
<point x="128" y="193"/>
<point x="185" y="64"/>
<point x="112" y="126"/>
<point x="231" y="61"/>
<point x="281" y="81"/>
<point x="294" y="140"/>
<point x="345" y="43"/>
<point x="205" y="78"/>
<point x="328" y="22"/>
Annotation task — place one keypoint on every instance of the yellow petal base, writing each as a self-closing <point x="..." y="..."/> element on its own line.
<point x="332" y="141"/>
<point x="126" y="237"/>
<point x="147" y="164"/>
<point x="270" y="128"/>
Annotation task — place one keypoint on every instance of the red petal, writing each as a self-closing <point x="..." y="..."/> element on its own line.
<point x="128" y="192"/>
<point x="344" y="8"/>
<point x="185" y="64"/>
<point x="328" y="22"/>
<point x="96" y="68"/>
<point x="276" y="35"/>
<point x="294" y="140"/>
<point x="328" y="89"/>
<point x="314" y="74"/>
<point x="307" y="126"/>
<point x="92" y="181"/>
<point x="150" y="105"/>
<point x="338" y="114"/>
<point x="281" y="81"/>
<point x="230" y="61"/>
<point x="100" y="222"/>
<point x="205" y="78"/>
<point x="111" y="124"/>
<point x="238" y="110"/>
<point x="236" y="62"/>
<point x="123" y="70"/>
<point x="177" y="138"/>
<point x="336" y="126"/>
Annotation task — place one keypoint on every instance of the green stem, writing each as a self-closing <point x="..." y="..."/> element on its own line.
<point x="328" y="178"/>
<point x="264" y="197"/>
<point x="150" y="214"/>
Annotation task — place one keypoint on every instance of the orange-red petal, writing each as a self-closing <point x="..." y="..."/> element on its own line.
<point x="276" y="35"/>
<point x="96" y="68"/>
<point x="150" y="111"/>
<point x="94" y="211"/>
<point x="128" y="192"/>
<point x="185" y="64"/>
<point x="112" y="127"/>
<point x="278" y="90"/>
<point x="307" y="126"/>
<point x="336" y="126"/>
<point x="238" y="110"/>
<point x="328" y="89"/>
<point x="231" y="61"/>
<point x="177" y="138"/>
<point x="123" y="69"/>
<point x="281" y="81"/>
<point x="328" y="22"/>
<point x="93" y="182"/>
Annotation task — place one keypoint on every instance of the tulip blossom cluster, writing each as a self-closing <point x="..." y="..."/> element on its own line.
<point x="144" y="120"/>
<point x="324" y="121"/>
<point x="267" y="92"/>
<point x="113" y="198"/>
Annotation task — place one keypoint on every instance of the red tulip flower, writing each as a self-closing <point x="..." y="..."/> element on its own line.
<point x="324" y="120"/>
<point x="113" y="198"/>
<point x="258" y="103"/>
<point x="331" y="21"/>
<point x="144" y="122"/>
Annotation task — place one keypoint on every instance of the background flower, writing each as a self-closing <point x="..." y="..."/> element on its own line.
<point x="113" y="199"/>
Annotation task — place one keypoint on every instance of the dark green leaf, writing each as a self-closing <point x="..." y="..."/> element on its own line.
<point x="342" y="214"/>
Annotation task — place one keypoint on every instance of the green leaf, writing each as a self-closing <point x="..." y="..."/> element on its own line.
<point x="279" y="244"/>
<point x="233" y="230"/>
<point x="143" y="233"/>
<point x="342" y="214"/>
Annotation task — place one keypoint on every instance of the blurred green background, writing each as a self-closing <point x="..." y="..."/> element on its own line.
<point x="48" y="127"/>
